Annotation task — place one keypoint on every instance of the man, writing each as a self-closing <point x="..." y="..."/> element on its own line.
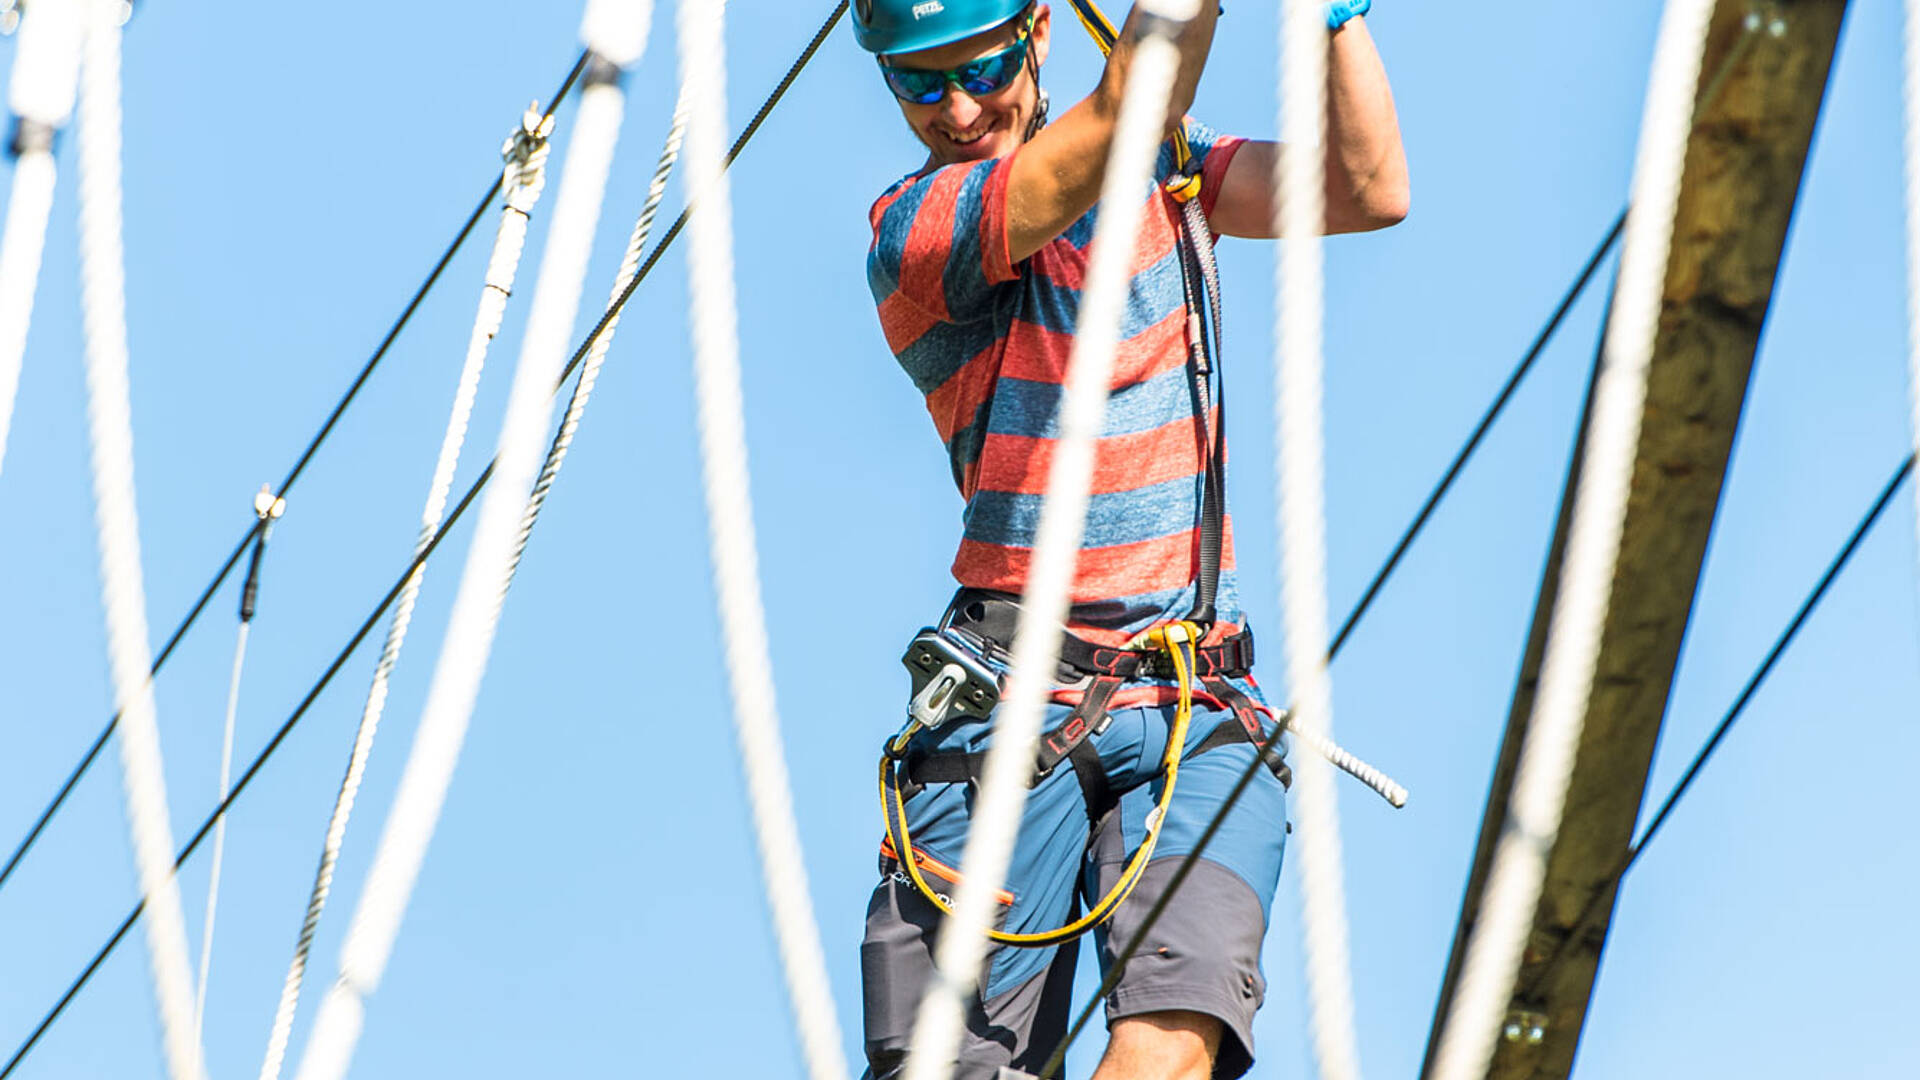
<point x="976" y="266"/>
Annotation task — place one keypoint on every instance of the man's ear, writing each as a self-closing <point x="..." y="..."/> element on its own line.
<point x="1042" y="34"/>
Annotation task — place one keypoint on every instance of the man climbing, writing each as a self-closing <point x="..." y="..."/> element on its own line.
<point x="976" y="267"/>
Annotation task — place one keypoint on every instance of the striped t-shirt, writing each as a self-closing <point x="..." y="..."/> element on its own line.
<point x="987" y="342"/>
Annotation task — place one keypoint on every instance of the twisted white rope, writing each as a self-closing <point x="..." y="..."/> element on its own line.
<point x="1298" y="444"/>
<point x="616" y="32"/>
<point x="723" y="453"/>
<point x="597" y="348"/>
<point x="110" y="433"/>
<point x="1911" y="85"/>
<point x="522" y="180"/>
<point x="939" y="1025"/>
<point x="46" y="65"/>
<point x="1593" y="543"/>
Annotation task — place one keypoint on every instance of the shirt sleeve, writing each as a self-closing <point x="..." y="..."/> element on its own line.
<point x="1213" y="151"/>
<point x="940" y="241"/>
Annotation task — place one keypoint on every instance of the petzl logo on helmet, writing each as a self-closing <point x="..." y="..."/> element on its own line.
<point x="929" y="7"/>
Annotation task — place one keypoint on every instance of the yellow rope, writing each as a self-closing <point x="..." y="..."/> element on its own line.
<point x="1172" y="639"/>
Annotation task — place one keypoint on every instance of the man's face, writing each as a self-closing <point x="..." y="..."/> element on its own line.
<point x="962" y="127"/>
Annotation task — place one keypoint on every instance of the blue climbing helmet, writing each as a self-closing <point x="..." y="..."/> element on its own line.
<point x="897" y="26"/>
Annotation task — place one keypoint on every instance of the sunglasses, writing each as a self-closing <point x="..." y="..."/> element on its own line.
<point x="987" y="75"/>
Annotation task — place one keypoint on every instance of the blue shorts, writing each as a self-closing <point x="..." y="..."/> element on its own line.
<point x="1202" y="955"/>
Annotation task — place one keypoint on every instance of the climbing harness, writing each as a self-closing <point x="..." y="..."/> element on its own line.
<point x="1178" y="644"/>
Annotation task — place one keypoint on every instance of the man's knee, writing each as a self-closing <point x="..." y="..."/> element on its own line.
<point x="1173" y="1044"/>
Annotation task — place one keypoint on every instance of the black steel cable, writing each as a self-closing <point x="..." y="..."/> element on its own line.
<point x="374" y="617"/>
<point x="1605" y="890"/>
<point x="240" y="785"/>
<point x="1480" y="430"/>
<point x="679" y="223"/>
<point x="293" y="475"/>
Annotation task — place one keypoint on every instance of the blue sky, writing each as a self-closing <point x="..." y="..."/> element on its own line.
<point x="591" y="904"/>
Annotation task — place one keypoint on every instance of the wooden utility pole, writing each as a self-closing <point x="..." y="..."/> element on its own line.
<point x="1762" y="82"/>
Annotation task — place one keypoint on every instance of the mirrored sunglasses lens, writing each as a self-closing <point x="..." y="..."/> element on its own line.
<point x="987" y="75"/>
<point x="919" y="87"/>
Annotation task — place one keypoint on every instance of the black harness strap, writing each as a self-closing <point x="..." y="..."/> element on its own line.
<point x="988" y="621"/>
<point x="1068" y="743"/>
<point x="1245" y="727"/>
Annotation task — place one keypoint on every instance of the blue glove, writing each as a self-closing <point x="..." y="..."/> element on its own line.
<point x="1339" y="11"/>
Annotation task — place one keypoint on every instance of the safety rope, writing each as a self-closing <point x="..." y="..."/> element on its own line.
<point x="1493" y="951"/>
<point x="387" y="600"/>
<point x="523" y="178"/>
<point x="269" y="509"/>
<point x="734" y="554"/>
<point x="1044" y="606"/>
<point x="615" y="33"/>
<point x="1299" y="176"/>
<point x="110" y="450"/>
<point x="307" y="455"/>
<point x="1911" y="87"/>
<point x="45" y="69"/>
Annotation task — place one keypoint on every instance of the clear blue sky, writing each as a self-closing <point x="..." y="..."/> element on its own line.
<point x="591" y="905"/>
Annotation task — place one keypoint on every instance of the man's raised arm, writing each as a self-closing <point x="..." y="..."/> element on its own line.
<point x="1056" y="177"/>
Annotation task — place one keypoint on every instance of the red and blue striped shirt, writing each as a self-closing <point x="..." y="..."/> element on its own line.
<point x="987" y="340"/>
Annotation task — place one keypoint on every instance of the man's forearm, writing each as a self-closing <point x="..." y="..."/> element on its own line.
<point x="1367" y="183"/>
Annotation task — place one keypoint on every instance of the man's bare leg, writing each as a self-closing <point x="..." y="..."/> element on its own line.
<point x="1161" y="1046"/>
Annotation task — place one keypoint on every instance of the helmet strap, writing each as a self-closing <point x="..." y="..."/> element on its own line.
<point x="1040" y="107"/>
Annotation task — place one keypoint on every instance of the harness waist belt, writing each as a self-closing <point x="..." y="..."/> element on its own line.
<point x="989" y="618"/>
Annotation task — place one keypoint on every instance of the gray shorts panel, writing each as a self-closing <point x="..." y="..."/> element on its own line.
<point x="1017" y="1029"/>
<point x="1202" y="955"/>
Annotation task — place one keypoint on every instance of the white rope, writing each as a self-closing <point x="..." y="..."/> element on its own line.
<point x="219" y="833"/>
<point x="736" y="574"/>
<point x="1912" y="89"/>
<point x="45" y="67"/>
<point x="616" y="32"/>
<point x="995" y="821"/>
<point x="1593" y="542"/>
<point x="522" y="180"/>
<point x="110" y="432"/>
<point x="1300" y="176"/>
<point x="597" y="348"/>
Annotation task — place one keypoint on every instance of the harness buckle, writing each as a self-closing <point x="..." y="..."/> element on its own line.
<point x="948" y="680"/>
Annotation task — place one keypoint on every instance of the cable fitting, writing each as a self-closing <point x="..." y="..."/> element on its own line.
<point x="30" y="137"/>
<point x="601" y="72"/>
<point x="1525" y="1026"/>
<point x="267" y="505"/>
